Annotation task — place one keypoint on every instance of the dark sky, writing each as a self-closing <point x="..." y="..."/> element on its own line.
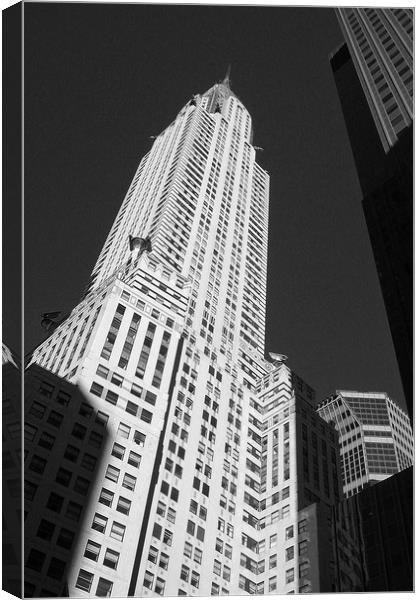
<point x="100" y="79"/>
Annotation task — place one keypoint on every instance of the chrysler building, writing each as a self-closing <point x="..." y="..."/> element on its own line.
<point x="193" y="439"/>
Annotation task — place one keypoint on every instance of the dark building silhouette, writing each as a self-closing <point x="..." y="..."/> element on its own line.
<point x="64" y="438"/>
<point x="386" y="180"/>
<point x="383" y="516"/>
<point x="11" y="473"/>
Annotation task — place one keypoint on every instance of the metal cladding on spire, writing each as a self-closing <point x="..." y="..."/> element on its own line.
<point x="219" y="93"/>
<point x="226" y="80"/>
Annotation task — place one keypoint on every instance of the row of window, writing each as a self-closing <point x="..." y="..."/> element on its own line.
<point x="85" y="580"/>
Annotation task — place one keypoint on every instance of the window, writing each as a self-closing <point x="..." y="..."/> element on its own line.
<point x="65" y="538"/>
<point x="112" y="473"/>
<point x="198" y="554"/>
<point x="148" y="580"/>
<point x="96" y="389"/>
<point x="102" y="371"/>
<point x="167" y="537"/>
<point x="84" y="580"/>
<point x="35" y="560"/>
<point x="111" y="397"/>
<point x="185" y="573"/>
<point x="160" y="586"/>
<point x="195" y="579"/>
<point x="273" y="562"/>
<point x="129" y="481"/>
<point x="81" y="485"/>
<point x="132" y="408"/>
<point x="92" y="550"/>
<point x="117" y="379"/>
<point x="289" y="532"/>
<point x="161" y="508"/>
<point x="117" y="531"/>
<point x="134" y="459"/>
<point x="303" y="526"/>
<point x="164" y="561"/>
<point x="71" y="453"/>
<point x="45" y="530"/>
<point x="37" y="464"/>
<point x="46" y="389"/>
<point x="79" y="431"/>
<point x="153" y="555"/>
<point x="88" y="462"/>
<point x="188" y="548"/>
<point x="136" y="390"/>
<point x="123" y="430"/>
<point x="290" y="553"/>
<point x="150" y="397"/>
<point x="56" y="568"/>
<point x="101" y="418"/>
<point x="106" y="497"/>
<point x="290" y="575"/>
<point x="63" y="476"/>
<point x="55" y="502"/>
<point x="95" y="439"/>
<point x="99" y="523"/>
<point x="157" y="531"/>
<point x="30" y="432"/>
<point x="37" y="410"/>
<point x="303" y="547"/>
<point x="104" y="588"/>
<point x="226" y="573"/>
<point x="139" y="438"/>
<point x="30" y="490"/>
<point x="273" y="540"/>
<point x="193" y="507"/>
<point x="272" y="584"/>
<point x="191" y="527"/>
<point x="303" y="569"/>
<point x="86" y="410"/>
<point x="123" y="505"/>
<point x="111" y="558"/>
<point x="74" y="511"/>
<point x="217" y="567"/>
<point x="146" y="416"/>
<point x="285" y="511"/>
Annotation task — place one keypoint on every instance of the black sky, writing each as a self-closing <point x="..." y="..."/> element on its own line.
<point x="100" y="79"/>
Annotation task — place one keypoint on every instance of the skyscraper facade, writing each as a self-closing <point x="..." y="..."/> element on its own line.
<point x="380" y="42"/>
<point x="166" y="345"/>
<point x="375" y="436"/>
<point x="373" y="72"/>
<point x="191" y="465"/>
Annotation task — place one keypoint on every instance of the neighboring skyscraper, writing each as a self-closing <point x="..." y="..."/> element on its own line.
<point x="383" y="515"/>
<point x="380" y="42"/>
<point x="373" y="72"/>
<point x="375" y="436"/>
<point x="11" y="473"/>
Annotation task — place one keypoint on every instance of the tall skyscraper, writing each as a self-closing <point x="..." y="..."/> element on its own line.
<point x="380" y="42"/>
<point x="184" y="463"/>
<point x="375" y="437"/>
<point x="373" y="72"/>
